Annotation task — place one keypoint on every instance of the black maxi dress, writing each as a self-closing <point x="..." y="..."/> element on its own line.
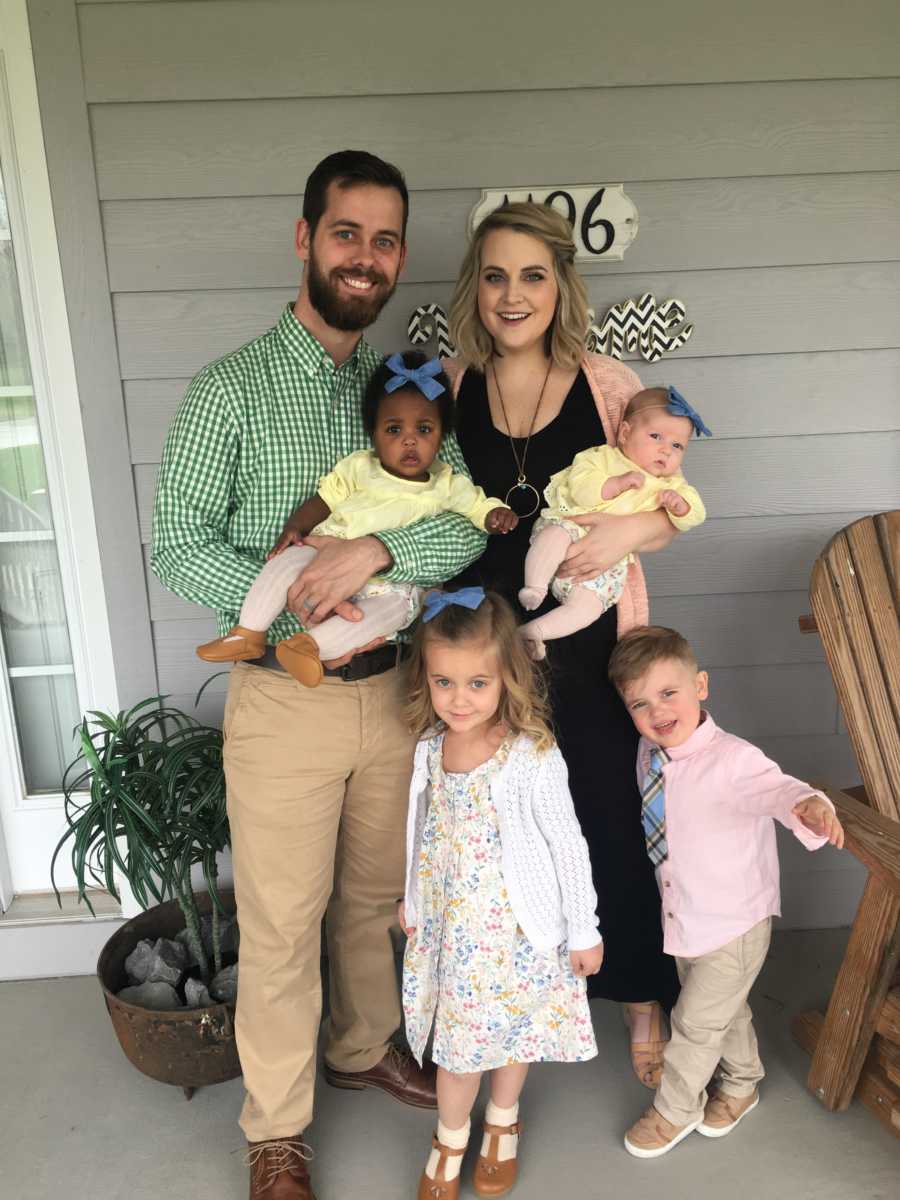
<point x="596" y="735"/>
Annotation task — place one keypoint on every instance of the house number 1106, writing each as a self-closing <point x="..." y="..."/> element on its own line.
<point x="604" y="220"/>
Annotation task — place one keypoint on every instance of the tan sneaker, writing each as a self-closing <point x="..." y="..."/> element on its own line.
<point x="723" y="1112"/>
<point x="653" y="1135"/>
<point x="237" y="645"/>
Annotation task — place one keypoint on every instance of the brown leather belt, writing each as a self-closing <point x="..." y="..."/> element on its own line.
<point x="361" y="666"/>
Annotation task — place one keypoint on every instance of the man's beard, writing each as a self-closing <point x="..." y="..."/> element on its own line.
<point x="347" y="315"/>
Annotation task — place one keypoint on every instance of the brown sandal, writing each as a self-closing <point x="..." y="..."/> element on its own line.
<point x="440" y="1188"/>
<point x="647" y="1057"/>
<point x="493" y="1177"/>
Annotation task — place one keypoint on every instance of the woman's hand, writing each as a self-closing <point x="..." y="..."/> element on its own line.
<point x="611" y="538"/>
<point x="409" y="930"/>
<point x="586" y="962"/>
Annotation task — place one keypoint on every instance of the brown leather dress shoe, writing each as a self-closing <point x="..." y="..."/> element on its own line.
<point x="299" y="655"/>
<point x="237" y="645"/>
<point x="493" y="1177"/>
<point x="440" y="1188"/>
<point x="278" y="1170"/>
<point x="398" y="1074"/>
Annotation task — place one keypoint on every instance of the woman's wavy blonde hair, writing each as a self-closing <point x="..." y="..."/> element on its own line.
<point x="523" y="704"/>
<point x="566" y="335"/>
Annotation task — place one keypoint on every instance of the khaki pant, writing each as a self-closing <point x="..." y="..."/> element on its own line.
<point x="712" y="1027"/>
<point x="318" y="789"/>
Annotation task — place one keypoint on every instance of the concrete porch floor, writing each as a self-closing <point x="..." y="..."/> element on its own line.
<point x="76" y="1119"/>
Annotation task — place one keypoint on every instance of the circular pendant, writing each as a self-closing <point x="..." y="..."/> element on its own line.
<point x="519" y="497"/>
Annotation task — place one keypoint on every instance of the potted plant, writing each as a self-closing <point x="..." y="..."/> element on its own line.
<point x="145" y="796"/>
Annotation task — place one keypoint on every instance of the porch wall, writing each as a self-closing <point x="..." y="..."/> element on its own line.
<point x="762" y="152"/>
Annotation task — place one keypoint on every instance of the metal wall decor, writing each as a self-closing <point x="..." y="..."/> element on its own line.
<point x="641" y="326"/>
<point x="638" y="326"/>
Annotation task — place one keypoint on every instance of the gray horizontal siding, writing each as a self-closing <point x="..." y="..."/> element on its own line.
<point x="474" y="140"/>
<point x="222" y="50"/>
<point x="725" y="555"/>
<point x="780" y="310"/>
<point x="771" y="395"/>
<point x="685" y="225"/>
<point x="763" y="156"/>
<point x="779" y="477"/>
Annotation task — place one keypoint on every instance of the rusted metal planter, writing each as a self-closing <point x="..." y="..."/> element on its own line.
<point x="189" y="1047"/>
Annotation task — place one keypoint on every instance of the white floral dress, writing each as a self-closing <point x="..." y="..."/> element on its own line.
<point x="469" y="969"/>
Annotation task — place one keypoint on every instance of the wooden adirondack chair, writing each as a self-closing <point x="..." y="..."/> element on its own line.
<point x="855" y="594"/>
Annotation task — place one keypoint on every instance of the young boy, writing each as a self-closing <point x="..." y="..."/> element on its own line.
<point x="709" y="800"/>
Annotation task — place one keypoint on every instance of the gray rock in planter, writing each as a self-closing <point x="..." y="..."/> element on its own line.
<point x="168" y="963"/>
<point x="157" y="995"/>
<point x="224" y="986"/>
<point x="137" y="964"/>
<point x="196" y="995"/>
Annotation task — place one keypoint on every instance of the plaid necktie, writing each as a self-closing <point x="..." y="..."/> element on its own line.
<point x="653" y="807"/>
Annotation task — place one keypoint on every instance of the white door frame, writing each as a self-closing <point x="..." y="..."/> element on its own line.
<point x="56" y="394"/>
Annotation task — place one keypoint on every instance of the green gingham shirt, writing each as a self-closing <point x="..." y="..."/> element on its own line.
<point x="255" y="433"/>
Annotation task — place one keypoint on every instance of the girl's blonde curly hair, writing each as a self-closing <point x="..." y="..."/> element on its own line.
<point x="523" y="704"/>
<point x="565" y="338"/>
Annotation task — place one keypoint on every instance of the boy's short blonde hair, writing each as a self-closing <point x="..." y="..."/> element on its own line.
<point x="640" y="648"/>
<point x="656" y="397"/>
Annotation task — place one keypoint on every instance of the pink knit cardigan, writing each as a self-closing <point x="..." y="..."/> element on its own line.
<point x="612" y="384"/>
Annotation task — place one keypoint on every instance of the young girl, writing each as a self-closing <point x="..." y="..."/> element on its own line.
<point x="642" y="473"/>
<point x="499" y="905"/>
<point x="407" y="410"/>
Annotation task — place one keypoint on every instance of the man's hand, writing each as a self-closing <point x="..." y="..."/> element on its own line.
<point x="339" y="571"/>
<point x="673" y="503"/>
<point x="501" y="520"/>
<point x="820" y="819"/>
<point x="586" y="962"/>
<point x="334" y="663"/>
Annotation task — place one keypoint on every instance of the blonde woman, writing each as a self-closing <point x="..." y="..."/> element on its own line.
<point x="529" y="398"/>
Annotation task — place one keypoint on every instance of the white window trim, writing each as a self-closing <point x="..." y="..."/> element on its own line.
<point x="29" y="200"/>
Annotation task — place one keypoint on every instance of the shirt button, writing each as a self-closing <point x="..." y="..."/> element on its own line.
<point x="667" y="884"/>
<point x="668" y="914"/>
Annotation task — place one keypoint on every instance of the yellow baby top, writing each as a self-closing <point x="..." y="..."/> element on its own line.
<point x="576" y="489"/>
<point x="364" y="498"/>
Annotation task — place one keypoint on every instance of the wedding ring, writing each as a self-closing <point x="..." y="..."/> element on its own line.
<point x="309" y="604"/>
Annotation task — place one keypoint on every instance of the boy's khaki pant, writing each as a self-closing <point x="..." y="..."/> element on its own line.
<point x="318" y="789"/>
<point x="712" y="1027"/>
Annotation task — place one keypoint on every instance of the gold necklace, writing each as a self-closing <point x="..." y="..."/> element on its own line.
<point x="521" y="486"/>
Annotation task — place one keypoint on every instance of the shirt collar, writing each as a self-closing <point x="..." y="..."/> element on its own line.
<point x="310" y="352"/>
<point x="699" y="739"/>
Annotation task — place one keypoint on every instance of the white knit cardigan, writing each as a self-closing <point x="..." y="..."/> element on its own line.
<point x="544" y="857"/>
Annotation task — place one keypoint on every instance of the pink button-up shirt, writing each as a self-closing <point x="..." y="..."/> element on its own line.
<point x="721" y="876"/>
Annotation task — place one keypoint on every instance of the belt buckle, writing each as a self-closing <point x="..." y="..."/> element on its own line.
<point x="347" y="672"/>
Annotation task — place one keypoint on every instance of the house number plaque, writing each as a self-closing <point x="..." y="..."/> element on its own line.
<point x="604" y="220"/>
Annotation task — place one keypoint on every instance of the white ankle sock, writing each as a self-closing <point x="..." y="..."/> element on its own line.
<point x="509" y="1142"/>
<point x="456" y="1139"/>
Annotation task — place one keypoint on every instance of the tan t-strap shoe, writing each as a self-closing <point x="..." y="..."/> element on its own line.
<point x="299" y="655"/>
<point x="238" y="645"/>
<point x="440" y="1188"/>
<point x="493" y="1177"/>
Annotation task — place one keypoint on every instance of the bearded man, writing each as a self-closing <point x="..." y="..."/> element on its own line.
<point x="317" y="780"/>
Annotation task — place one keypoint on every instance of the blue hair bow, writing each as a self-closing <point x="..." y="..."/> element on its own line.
<point x="421" y="377"/>
<point x="679" y="407"/>
<point x="469" y="597"/>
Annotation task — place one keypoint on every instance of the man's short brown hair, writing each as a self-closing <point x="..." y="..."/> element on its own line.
<point x="640" y="648"/>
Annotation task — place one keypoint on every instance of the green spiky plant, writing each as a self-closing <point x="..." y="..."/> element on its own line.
<point x="146" y="796"/>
